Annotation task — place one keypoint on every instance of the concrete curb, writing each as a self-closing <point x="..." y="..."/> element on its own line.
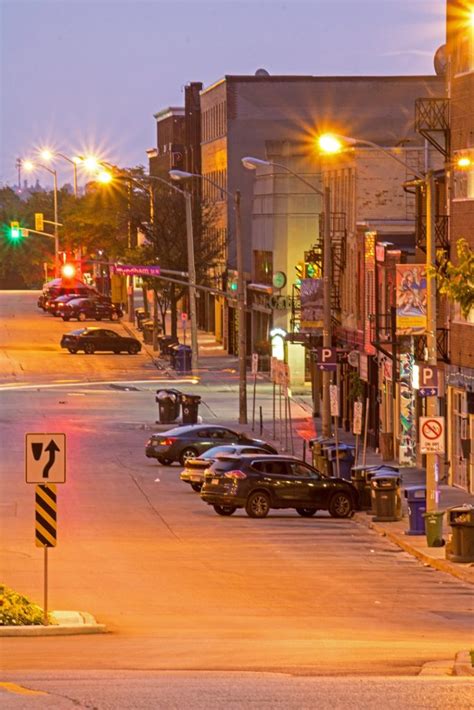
<point x="465" y="572"/>
<point x="462" y="664"/>
<point x="69" y="623"/>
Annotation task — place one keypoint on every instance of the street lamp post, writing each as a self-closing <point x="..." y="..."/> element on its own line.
<point x="30" y="166"/>
<point x="334" y="144"/>
<point x="251" y="164"/>
<point x="49" y="155"/>
<point x="242" y="344"/>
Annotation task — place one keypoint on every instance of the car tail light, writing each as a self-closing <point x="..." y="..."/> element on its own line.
<point x="235" y="475"/>
<point x="168" y="442"/>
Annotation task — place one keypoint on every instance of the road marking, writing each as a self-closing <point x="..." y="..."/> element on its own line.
<point x="20" y="690"/>
<point x="59" y="385"/>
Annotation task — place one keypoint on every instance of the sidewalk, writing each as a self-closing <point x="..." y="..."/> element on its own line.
<point x="217" y="405"/>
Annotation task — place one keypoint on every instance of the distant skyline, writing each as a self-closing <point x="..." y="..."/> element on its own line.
<point x="88" y="76"/>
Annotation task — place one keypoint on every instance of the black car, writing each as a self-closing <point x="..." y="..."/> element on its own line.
<point x="95" y="308"/>
<point x="259" y="483"/>
<point x="195" y="468"/>
<point x="50" y="294"/>
<point x="184" y="442"/>
<point x="92" y="339"/>
<point x="56" y="305"/>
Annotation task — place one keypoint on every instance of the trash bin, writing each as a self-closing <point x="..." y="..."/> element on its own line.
<point x="434" y="528"/>
<point x="181" y="358"/>
<point x="168" y="405"/>
<point x="461" y="545"/>
<point x="140" y="316"/>
<point x="361" y="476"/>
<point x="164" y="344"/>
<point x="416" y="498"/>
<point x="190" y="404"/>
<point x="386" y="497"/>
<point x="316" y="446"/>
<point x="345" y="454"/>
<point x="147" y="328"/>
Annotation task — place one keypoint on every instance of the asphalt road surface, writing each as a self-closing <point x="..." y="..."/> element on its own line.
<point x="182" y="589"/>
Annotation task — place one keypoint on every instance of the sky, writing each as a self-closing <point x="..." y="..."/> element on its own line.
<point x="88" y="75"/>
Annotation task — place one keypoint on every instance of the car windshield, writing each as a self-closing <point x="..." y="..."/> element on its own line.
<point x="81" y="331"/>
<point x="216" y="451"/>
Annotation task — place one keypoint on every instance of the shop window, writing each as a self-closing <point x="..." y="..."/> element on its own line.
<point x="263" y="267"/>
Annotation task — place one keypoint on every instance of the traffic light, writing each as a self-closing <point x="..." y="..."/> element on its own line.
<point x="15" y="231"/>
<point x="68" y="271"/>
<point x="39" y="222"/>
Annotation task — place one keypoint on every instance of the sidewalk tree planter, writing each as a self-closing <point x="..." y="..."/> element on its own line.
<point x="17" y="610"/>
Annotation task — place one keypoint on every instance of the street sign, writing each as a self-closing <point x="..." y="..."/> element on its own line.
<point x="432" y="435"/>
<point x="357" y="421"/>
<point x="327" y="359"/>
<point x="428" y="375"/>
<point x="45" y="516"/>
<point x="39" y="221"/>
<point x="254" y="363"/>
<point x="334" y="400"/>
<point x="184" y="317"/>
<point x="45" y="458"/>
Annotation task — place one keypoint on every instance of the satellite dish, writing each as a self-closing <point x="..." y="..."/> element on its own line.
<point x="441" y="61"/>
<point x="262" y="72"/>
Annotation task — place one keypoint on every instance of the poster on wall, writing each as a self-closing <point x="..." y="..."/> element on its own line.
<point x="311" y="294"/>
<point x="411" y="299"/>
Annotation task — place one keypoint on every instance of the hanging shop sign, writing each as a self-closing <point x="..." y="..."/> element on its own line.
<point x="411" y="299"/>
<point x="312" y="303"/>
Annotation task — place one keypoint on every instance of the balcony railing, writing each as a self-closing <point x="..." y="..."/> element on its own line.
<point x="432" y="120"/>
<point x="441" y="232"/>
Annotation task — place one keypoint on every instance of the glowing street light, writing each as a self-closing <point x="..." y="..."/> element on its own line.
<point x="105" y="177"/>
<point x="29" y="166"/>
<point x="48" y="155"/>
<point x="68" y="271"/>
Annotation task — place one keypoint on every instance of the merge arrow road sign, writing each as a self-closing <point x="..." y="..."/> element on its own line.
<point x="45" y="458"/>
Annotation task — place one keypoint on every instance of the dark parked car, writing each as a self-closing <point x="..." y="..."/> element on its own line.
<point x="92" y="339"/>
<point x="50" y="294"/>
<point x="195" y="468"/>
<point x="56" y="305"/>
<point x="259" y="483"/>
<point x="95" y="308"/>
<point x="185" y="442"/>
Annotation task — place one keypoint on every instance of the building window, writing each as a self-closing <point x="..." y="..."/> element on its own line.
<point x="263" y="267"/>
<point x="464" y="179"/>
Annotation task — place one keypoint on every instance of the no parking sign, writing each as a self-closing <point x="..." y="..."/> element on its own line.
<point x="432" y="435"/>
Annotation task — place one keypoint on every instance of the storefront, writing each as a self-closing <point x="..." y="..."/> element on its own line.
<point x="460" y="427"/>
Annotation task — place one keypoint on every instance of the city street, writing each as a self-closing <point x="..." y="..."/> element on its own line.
<point x="178" y="587"/>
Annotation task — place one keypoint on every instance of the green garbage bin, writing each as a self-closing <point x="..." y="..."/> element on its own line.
<point x="461" y="545"/>
<point x="434" y="528"/>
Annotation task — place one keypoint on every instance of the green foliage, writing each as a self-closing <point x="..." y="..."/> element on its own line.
<point x="456" y="280"/>
<point x="355" y="386"/>
<point x="17" y="610"/>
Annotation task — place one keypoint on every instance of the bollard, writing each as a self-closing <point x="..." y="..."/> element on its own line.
<point x="261" y="421"/>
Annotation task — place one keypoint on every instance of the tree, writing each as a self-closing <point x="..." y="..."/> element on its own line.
<point x="456" y="280"/>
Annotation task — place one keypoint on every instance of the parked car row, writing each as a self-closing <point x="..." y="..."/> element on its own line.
<point x="247" y="473"/>
<point x="77" y="301"/>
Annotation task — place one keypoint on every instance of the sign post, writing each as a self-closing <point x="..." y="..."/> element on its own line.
<point x="45" y="465"/>
<point x="273" y="366"/>
<point x="357" y="426"/>
<point x="254" y="372"/>
<point x="184" y="321"/>
<point x="334" y="407"/>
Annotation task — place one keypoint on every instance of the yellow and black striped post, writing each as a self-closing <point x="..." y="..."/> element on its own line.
<point x="45" y="516"/>
<point x="45" y="530"/>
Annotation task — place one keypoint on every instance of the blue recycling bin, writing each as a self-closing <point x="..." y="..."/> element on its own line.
<point x="345" y="454"/>
<point x="416" y="498"/>
<point x="181" y="358"/>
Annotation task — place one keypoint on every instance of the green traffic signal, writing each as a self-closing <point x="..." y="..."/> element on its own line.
<point x="15" y="231"/>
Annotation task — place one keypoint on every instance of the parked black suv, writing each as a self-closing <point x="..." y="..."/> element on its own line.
<point x="94" y="308"/>
<point x="259" y="483"/>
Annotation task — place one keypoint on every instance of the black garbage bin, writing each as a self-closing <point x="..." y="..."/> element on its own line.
<point x="147" y="328"/>
<point x="181" y="358"/>
<point x="190" y="404"/>
<point x="140" y="316"/>
<point x="386" y="497"/>
<point x="165" y="342"/>
<point x="461" y="546"/>
<point x="168" y="405"/>
<point x="316" y="446"/>
<point x="361" y="476"/>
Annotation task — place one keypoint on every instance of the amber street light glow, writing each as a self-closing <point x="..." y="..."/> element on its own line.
<point x="28" y="165"/>
<point x="464" y="162"/>
<point x="104" y="177"/>
<point x="329" y="143"/>
<point x="91" y="163"/>
<point x="46" y="154"/>
<point x="68" y="271"/>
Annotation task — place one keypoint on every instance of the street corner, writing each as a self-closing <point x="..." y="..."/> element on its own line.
<point x="66" y="623"/>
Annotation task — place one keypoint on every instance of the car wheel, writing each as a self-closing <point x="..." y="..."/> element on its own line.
<point x="341" y="506"/>
<point x="224" y="509"/>
<point x="98" y="317"/>
<point x="306" y="512"/>
<point x="89" y="348"/>
<point x="133" y="349"/>
<point x="81" y="316"/>
<point x="114" y="316"/>
<point x="258" y="505"/>
<point x="164" y="462"/>
<point x="73" y="351"/>
<point x="65" y="318"/>
<point x="196" y="487"/>
<point x="187" y="453"/>
<point x="116" y="352"/>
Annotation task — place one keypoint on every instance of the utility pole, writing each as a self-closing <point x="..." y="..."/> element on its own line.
<point x="56" y="221"/>
<point x="327" y="283"/>
<point x="131" y="284"/>
<point x="192" y="281"/>
<point x="432" y="493"/>
<point x="242" y="349"/>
